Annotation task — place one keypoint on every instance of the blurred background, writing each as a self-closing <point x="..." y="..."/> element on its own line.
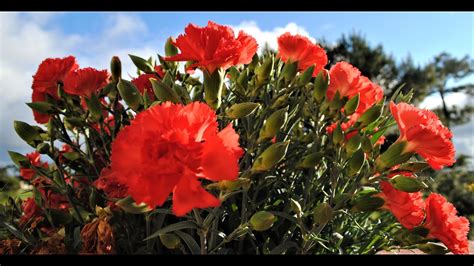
<point x="429" y="52"/>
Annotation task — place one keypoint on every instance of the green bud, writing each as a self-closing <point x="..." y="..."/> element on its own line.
<point x="163" y="92"/>
<point x="321" y="83"/>
<point x="273" y="124"/>
<point x="170" y="240"/>
<point x="337" y="135"/>
<point x="253" y="63"/>
<point x="353" y="144"/>
<point x="367" y="203"/>
<point x="289" y="71"/>
<point x="306" y="76"/>
<point x="170" y="49"/>
<point x="413" y="166"/>
<point x="296" y="207"/>
<point x="323" y="213"/>
<point x="243" y="79"/>
<point x="43" y="148"/>
<point x="264" y="71"/>
<point x="310" y="160"/>
<point x="337" y="102"/>
<point x="394" y="155"/>
<point x="351" y="106"/>
<point x="128" y="205"/>
<point x="342" y="199"/>
<point x="17" y="158"/>
<point x="71" y="156"/>
<point x="142" y="64"/>
<point x="262" y="221"/>
<point x="271" y="156"/>
<point x="241" y="110"/>
<point x="75" y="121"/>
<point x="407" y="184"/>
<point x="116" y="69"/>
<point x="355" y="162"/>
<point x="130" y="94"/>
<point x="213" y="88"/>
<point x="41" y="107"/>
<point x="366" y="144"/>
<point x="28" y="133"/>
<point x="279" y="102"/>
<point x="94" y="106"/>
<point x="433" y="248"/>
<point x="370" y="115"/>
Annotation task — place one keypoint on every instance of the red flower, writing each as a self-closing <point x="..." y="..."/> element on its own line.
<point x="85" y="81"/>
<point x="31" y="212"/>
<point x="143" y="84"/>
<point x="348" y="81"/>
<point x="167" y="148"/>
<point x="50" y="73"/>
<point x="109" y="122"/>
<point x="35" y="160"/>
<point x="110" y="185"/>
<point x="445" y="225"/>
<point x="159" y="70"/>
<point x="297" y="48"/>
<point x="425" y="134"/>
<point x="214" y="46"/>
<point x="408" y="208"/>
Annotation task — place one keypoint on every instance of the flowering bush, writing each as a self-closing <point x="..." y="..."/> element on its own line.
<point x="269" y="154"/>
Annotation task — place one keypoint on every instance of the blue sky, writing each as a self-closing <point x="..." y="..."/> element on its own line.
<point x="93" y="37"/>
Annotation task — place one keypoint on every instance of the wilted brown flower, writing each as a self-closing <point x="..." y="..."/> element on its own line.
<point x="9" y="246"/>
<point x="97" y="237"/>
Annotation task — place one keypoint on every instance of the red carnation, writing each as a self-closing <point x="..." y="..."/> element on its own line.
<point x="408" y="208"/>
<point x="143" y="84"/>
<point x="348" y="81"/>
<point x="31" y="213"/>
<point x="35" y="160"/>
<point x="298" y="48"/>
<point x="110" y="185"/>
<point x="445" y="225"/>
<point x="167" y="148"/>
<point x="85" y="81"/>
<point x="50" y="73"/>
<point x="214" y="46"/>
<point x="424" y="134"/>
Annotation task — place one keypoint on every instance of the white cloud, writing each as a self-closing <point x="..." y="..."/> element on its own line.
<point x="456" y="98"/>
<point x="26" y="39"/>
<point x="270" y="37"/>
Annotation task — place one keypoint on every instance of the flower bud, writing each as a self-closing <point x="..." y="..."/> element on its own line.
<point x="264" y="71"/>
<point x="321" y="83"/>
<point x="296" y="207"/>
<point x="271" y="156"/>
<point x="142" y="64"/>
<point x="279" y="102"/>
<point x="241" y="110"/>
<point x="94" y="106"/>
<point x="353" y="144"/>
<point x="273" y="124"/>
<point x="163" y="92"/>
<point x="310" y="160"/>
<point x="337" y="135"/>
<point x="243" y="79"/>
<point x="306" y="76"/>
<point x="289" y="71"/>
<point x="116" y="69"/>
<point x="407" y="184"/>
<point x="394" y="155"/>
<point x="337" y="102"/>
<point x="43" y="148"/>
<point x="170" y="49"/>
<point x="370" y="115"/>
<point x="351" y="105"/>
<point x="28" y="133"/>
<point x="213" y="88"/>
<point x="355" y="162"/>
<point x="433" y="248"/>
<point x="367" y="203"/>
<point x="262" y="221"/>
<point x="170" y="240"/>
<point x="130" y="94"/>
<point x="323" y="213"/>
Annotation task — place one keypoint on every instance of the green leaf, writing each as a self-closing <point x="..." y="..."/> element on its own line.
<point x="190" y="242"/>
<point x="163" y="92"/>
<point x="128" y="205"/>
<point x="17" y="158"/>
<point x="130" y="94"/>
<point x="173" y="227"/>
<point x="41" y="107"/>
